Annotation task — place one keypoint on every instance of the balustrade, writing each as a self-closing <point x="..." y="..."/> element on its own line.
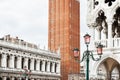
<point x="115" y="43"/>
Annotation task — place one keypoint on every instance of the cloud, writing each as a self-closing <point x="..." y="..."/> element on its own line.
<point x="27" y="19"/>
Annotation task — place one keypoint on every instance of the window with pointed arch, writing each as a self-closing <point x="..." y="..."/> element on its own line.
<point x="15" y="62"/>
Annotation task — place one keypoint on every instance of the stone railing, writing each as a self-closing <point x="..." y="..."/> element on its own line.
<point x="114" y="43"/>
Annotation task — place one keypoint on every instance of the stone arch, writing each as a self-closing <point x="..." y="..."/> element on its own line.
<point x="101" y="27"/>
<point x="35" y="62"/>
<point x="41" y="63"/>
<point x="46" y="64"/>
<point x="113" y="10"/>
<point x="97" y="11"/>
<point x="15" y="62"/>
<point x="115" y="73"/>
<point x="8" y="61"/>
<point x="104" y="57"/>
<point x="101" y="71"/>
<point x="109" y="64"/>
<point x="97" y="63"/>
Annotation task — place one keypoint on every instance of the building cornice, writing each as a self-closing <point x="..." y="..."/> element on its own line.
<point x="29" y="49"/>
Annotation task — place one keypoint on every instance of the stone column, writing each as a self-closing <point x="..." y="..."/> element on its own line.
<point x="53" y="67"/>
<point x="19" y="62"/>
<point x="110" y="40"/>
<point x="43" y="66"/>
<point x="109" y="75"/>
<point x="109" y="21"/>
<point x="48" y="66"/>
<point x="97" y="34"/>
<point x="4" y="60"/>
<point x="103" y="35"/>
<point x="32" y="64"/>
<point x="58" y="68"/>
<point x="26" y="62"/>
<point x="38" y="65"/>
<point x="12" y="61"/>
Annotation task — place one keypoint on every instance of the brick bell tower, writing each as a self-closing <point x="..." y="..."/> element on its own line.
<point x="64" y="32"/>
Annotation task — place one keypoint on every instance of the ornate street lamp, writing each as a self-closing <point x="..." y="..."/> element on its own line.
<point x="26" y="72"/>
<point x="87" y="54"/>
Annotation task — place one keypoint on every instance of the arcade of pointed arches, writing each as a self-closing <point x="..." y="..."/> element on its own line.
<point x="107" y="32"/>
<point x="108" y="69"/>
<point x="101" y="25"/>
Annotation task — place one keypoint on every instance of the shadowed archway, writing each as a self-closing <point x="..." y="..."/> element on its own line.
<point x="109" y="69"/>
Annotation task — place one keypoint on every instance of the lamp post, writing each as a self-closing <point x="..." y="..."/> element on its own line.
<point x="87" y="54"/>
<point x="26" y="72"/>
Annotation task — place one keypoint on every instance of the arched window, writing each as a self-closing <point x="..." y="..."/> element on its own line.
<point x="46" y="66"/>
<point x="116" y="24"/>
<point x="15" y="62"/>
<point x="35" y="65"/>
<point x="51" y="67"/>
<point x="55" y="67"/>
<point x="29" y="62"/>
<point x="22" y="63"/>
<point x="41" y="65"/>
<point x="8" y="60"/>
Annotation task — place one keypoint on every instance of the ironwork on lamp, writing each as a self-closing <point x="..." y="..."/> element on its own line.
<point x="26" y="73"/>
<point x="87" y="54"/>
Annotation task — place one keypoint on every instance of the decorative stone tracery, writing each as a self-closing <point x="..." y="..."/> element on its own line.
<point x="109" y="2"/>
<point x="105" y="30"/>
<point x="116" y="24"/>
<point x="101" y="25"/>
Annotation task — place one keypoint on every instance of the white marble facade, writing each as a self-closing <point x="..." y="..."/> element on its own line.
<point x="103" y="19"/>
<point x="20" y="60"/>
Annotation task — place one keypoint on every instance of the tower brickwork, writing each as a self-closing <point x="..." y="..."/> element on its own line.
<point x="64" y="32"/>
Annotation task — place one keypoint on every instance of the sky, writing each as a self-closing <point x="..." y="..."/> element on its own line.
<point x="28" y="19"/>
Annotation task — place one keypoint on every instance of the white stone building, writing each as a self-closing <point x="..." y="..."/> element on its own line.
<point x="20" y="60"/>
<point x="103" y="18"/>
